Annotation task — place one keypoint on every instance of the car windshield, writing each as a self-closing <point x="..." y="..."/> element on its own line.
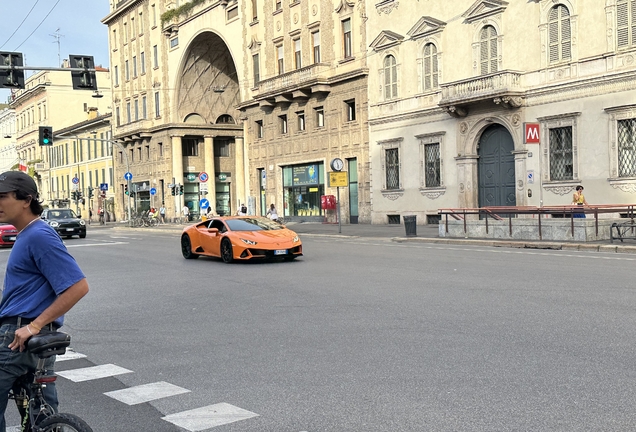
<point x="253" y="224"/>
<point x="61" y="214"/>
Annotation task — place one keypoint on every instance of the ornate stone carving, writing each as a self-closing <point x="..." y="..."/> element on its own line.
<point x="433" y="193"/>
<point x="392" y="195"/>
<point x="462" y="188"/>
<point x="509" y="101"/>
<point x="314" y="10"/>
<point x="386" y="6"/>
<point x="559" y="190"/>
<point x="625" y="187"/>
<point x="516" y="120"/>
<point x="463" y="128"/>
<point x="456" y="111"/>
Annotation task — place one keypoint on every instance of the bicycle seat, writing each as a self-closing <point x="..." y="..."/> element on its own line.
<point x="49" y="344"/>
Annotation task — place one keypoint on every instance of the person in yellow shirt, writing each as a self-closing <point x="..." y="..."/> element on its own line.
<point x="579" y="199"/>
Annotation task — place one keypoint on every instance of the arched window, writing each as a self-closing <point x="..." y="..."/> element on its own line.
<point x="390" y="77"/>
<point x="431" y="78"/>
<point x="560" y="34"/>
<point x="488" y="50"/>
<point x="225" y="119"/>
<point x="626" y="23"/>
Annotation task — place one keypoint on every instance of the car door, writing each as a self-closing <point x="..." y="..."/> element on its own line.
<point x="215" y="239"/>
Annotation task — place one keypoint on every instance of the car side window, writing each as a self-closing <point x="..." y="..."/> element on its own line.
<point x="218" y="225"/>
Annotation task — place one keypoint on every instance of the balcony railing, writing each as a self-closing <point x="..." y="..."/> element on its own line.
<point x="504" y="83"/>
<point x="293" y="80"/>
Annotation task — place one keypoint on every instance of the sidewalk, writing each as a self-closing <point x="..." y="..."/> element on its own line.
<point x="425" y="234"/>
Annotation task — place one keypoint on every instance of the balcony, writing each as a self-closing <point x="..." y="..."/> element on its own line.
<point x="502" y="88"/>
<point x="300" y="81"/>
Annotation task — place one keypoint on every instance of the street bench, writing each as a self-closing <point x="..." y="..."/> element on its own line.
<point x="623" y="230"/>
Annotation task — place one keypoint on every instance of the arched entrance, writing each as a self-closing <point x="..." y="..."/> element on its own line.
<point x="496" y="169"/>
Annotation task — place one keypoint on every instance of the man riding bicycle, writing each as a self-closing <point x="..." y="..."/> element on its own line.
<point x="42" y="282"/>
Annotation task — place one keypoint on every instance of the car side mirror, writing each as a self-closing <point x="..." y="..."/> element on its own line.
<point x="213" y="230"/>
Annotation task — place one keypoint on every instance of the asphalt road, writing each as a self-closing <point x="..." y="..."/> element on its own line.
<point x="358" y="335"/>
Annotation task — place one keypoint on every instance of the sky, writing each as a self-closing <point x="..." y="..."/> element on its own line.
<point x="29" y="27"/>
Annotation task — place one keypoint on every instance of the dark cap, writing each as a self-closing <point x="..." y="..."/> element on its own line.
<point x="12" y="181"/>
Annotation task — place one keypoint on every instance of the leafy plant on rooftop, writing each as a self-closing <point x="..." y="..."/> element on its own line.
<point x="181" y="10"/>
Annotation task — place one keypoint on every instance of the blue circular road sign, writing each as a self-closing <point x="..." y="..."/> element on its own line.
<point x="203" y="177"/>
<point x="128" y="176"/>
<point x="153" y="191"/>
<point x="204" y="203"/>
<point x="75" y="180"/>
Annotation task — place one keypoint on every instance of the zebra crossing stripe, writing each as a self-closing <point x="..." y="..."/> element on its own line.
<point x="70" y="355"/>
<point x="92" y="373"/>
<point x="207" y="417"/>
<point x="146" y="393"/>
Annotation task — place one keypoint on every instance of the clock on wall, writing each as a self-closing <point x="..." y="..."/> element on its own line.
<point x="337" y="164"/>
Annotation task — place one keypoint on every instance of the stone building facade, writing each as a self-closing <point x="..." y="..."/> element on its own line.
<point x="306" y="104"/>
<point x="453" y="85"/>
<point x="176" y="73"/>
<point x="8" y="155"/>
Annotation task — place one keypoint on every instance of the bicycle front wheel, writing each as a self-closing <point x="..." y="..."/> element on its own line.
<point x="64" y="423"/>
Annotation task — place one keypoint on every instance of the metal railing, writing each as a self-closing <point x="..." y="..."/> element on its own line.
<point x="567" y="212"/>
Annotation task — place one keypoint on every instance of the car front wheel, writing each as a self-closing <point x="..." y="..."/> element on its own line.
<point x="227" y="255"/>
<point x="186" y="247"/>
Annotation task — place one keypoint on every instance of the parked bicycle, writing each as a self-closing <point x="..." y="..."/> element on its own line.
<point x="37" y="415"/>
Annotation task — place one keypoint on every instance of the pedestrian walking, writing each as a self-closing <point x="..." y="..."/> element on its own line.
<point x="90" y="215"/>
<point x="579" y="199"/>
<point x="162" y="214"/>
<point x="42" y="282"/>
<point x="186" y="212"/>
<point x="100" y="213"/>
<point x="272" y="213"/>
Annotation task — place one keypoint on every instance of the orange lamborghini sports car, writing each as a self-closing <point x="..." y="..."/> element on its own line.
<point x="240" y="238"/>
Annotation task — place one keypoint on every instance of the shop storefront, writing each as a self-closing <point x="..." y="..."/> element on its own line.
<point x="303" y="185"/>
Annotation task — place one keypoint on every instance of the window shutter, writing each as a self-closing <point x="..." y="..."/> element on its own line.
<point x="493" y="51"/>
<point x="622" y="24"/>
<point x="632" y="20"/>
<point x="435" y="68"/>
<point x="427" y="72"/>
<point x="484" y="51"/>
<point x="566" y="34"/>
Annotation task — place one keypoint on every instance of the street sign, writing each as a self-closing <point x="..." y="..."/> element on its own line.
<point x="337" y="179"/>
<point x="128" y="176"/>
<point x="74" y="187"/>
<point x="204" y="203"/>
<point x="103" y="186"/>
<point x="203" y="187"/>
<point x="191" y="176"/>
<point x="531" y="133"/>
<point x="153" y="191"/>
<point x="75" y="180"/>
<point x="222" y="177"/>
<point x="203" y="177"/>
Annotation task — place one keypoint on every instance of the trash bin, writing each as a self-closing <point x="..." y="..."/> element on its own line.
<point x="410" y="225"/>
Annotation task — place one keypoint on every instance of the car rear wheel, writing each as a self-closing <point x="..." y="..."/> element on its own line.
<point x="186" y="247"/>
<point x="227" y="255"/>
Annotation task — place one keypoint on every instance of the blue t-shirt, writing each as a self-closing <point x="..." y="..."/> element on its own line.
<point x="38" y="270"/>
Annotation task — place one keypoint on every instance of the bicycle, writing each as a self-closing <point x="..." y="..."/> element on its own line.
<point x="37" y="415"/>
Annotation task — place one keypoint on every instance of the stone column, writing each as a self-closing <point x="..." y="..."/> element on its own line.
<point x="239" y="163"/>
<point x="467" y="181"/>
<point x="177" y="171"/>
<point x="208" y="164"/>
<point x="520" y="177"/>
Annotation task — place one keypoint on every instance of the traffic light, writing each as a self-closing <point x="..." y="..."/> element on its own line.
<point x="126" y="189"/>
<point x="45" y="137"/>
<point x="180" y="189"/>
<point x="90" y="192"/>
<point x="74" y="196"/>
<point x="83" y="80"/>
<point x="172" y="190"/>
<point x="11" y="78"/>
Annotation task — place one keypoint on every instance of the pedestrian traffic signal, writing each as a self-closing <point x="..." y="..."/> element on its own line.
<point x="90" y="192"/>
<point x="45" y="137"/>
<point x="11" y="77"/>
<point x="180" y="189"/>
<point x="126" y="189"/>
<point x="86" y="79"/>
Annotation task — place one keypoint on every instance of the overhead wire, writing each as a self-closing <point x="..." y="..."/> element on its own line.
<point x="20" y="25"/>
<point x="41" y="22"/>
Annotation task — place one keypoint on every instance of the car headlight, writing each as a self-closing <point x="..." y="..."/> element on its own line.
<point x="53" y="224"/>
<point x="249" y="242"/>
<point x="82" y="222"/>
<point x="295" y="239"/>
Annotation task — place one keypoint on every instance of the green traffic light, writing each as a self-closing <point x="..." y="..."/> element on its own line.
<point x="45" y="140"/>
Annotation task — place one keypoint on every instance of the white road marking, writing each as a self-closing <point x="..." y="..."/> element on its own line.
<point x="92" y="373"/>
<point x="70" y="355"/>
<point x="94" y="244"/>
<point x="208" y="417"/>
<point x="146" y="393"/>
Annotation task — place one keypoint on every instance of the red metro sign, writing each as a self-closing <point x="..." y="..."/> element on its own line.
<point x="531" y="133"/>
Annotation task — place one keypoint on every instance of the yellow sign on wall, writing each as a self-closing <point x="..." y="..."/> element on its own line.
<point x="337" y="179"/>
